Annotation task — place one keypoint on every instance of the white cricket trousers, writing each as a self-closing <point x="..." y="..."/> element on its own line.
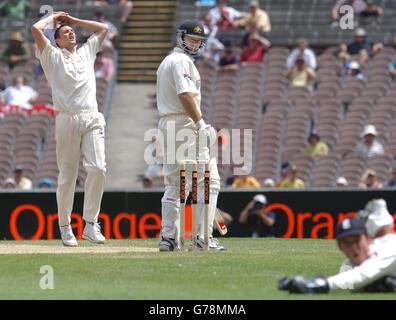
<point x="79" y="134"/>
<point x="170" y="213"/>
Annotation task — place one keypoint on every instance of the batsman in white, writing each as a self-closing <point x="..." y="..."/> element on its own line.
<point x="178" y="101"/>
<point x="79" y="125"/>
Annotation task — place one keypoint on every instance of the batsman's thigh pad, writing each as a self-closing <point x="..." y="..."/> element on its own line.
<point x="171" y="196"/>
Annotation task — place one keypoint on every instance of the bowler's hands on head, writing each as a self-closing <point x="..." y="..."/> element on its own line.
<point x="298" y="284"/>
<point x="64" y="17"/>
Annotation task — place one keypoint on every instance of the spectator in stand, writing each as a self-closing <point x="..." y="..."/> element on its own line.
<point x="21" y="181"/>
<point x="19" y="94"/>
<point x="256" y="21"/>
<point x="369" y="179"/>
<point x="371" y="13"/>
<point x="245" y="180"/>
<point x="15" y="9"/>
<point x="268" y="183"/>
<point x="342" y="55"/>
<point x="352" y="71"/>
<point x="224" y="16"/>
<point x="256" y="49"/>
<point x="392" y="182"/>
<point x="17" y="50"/>
<point x="126" y="6"/>
<point x="213" y="50"/>
<point x="284" y="172"/>
<point x="112" y="34"/>
<point x="104" y="67"/>
<point x="77" y="3"/>
<point x="315" y="147"/>
<point x="210" y="27"/>
<point x="370" y="146"/>
<point x="291" y="180"/>
<point x="341" y="182"/>
<point x="229" y="181"/>
<point x="260" y="221"/>
<point x="46" y="183"/>
<point x="229" y="60"/>
<point x="392" y="69"/>
<point x="302" y="50"/>
<point x="301" y="75"/>
<point x="231" y="178"/>
<point x="357" y="5"/>
<point x="363" y="47"/>
<point x="9" y="183"/>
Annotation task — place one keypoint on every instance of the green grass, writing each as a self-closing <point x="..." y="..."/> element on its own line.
<point x="248" y="270"/>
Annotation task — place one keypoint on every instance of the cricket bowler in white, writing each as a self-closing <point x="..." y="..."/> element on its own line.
<point x="178" y="101"/>
<point x="79" y="125"/>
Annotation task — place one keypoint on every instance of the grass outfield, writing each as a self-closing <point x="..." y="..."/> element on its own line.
<point x="248" y="270"/>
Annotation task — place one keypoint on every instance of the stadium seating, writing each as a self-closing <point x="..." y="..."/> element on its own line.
<point x="293" y="19"/>
<point x="257" y="97"/>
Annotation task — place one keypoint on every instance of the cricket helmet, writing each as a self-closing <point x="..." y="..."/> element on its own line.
<point x="193" y="29"/>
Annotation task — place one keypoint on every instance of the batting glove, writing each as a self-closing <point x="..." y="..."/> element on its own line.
<point x="206" y="130"/>
<point x="298" y="284"/>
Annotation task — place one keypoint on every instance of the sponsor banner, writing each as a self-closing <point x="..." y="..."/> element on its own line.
<point x="129" y="215"/>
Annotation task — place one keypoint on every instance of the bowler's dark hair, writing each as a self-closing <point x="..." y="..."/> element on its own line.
<point x="57" y="31"/>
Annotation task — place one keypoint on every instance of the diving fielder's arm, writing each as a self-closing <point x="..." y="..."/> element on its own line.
<point x="188" y="103"/>
<point x="368" y="272"/>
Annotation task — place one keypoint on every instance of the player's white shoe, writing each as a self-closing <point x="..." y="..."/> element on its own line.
<point x="68" y="238"/>
<point x="214" y="244"/>
<point x="92" y="233"/>
<point x="167" y="244"/>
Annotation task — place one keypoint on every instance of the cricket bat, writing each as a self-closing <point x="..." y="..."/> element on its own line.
<point x="220" y="224"/>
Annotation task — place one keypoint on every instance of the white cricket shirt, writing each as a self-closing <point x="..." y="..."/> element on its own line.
<point x="71" y="75"/>
<point x="177" y="74"/>
<point x="382" y="262"/>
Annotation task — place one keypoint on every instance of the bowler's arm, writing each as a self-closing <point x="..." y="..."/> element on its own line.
<point x="100" y="29"/>
<point x="366" y="273"/>
<point x="38" y="29"/>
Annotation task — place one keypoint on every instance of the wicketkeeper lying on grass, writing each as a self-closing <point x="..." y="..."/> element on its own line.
<point x="374" y="267"/>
